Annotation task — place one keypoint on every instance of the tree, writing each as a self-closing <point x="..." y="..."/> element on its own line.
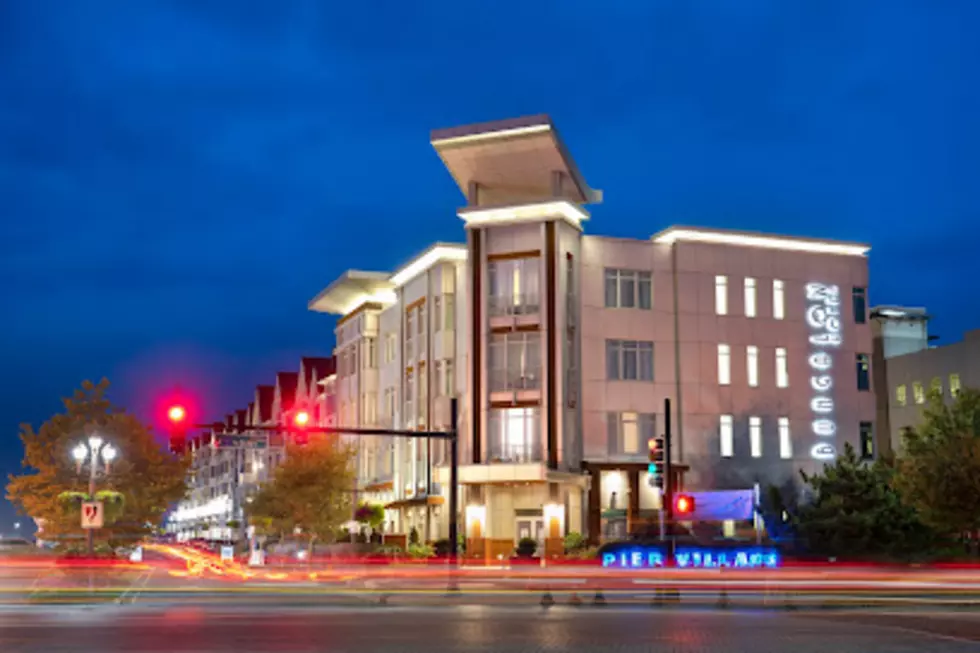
<point x="940" y="464"/>
<point x="371" y="514"/>
<point x="310" y="492"/>
<point x="857" y="512"/>
<point x="144" y="479"/>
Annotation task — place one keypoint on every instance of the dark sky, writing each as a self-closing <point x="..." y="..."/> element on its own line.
<point x="178" y="179"/>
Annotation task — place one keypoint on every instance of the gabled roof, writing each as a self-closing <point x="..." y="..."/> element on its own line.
<point x="241" y="418"/>
<point x="264" y="396"/>
<point x="286" y="387"/>
<point x="250" y="414"/>
<point x="317" y="368"/>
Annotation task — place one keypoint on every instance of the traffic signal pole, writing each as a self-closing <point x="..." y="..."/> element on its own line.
<point x="668" y="496"/>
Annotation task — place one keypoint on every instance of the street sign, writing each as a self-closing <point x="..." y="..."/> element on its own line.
<point x="93" y="514"/>
<point x="227" y="553"/>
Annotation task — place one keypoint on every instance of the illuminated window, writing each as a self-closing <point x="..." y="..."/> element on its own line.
<point x="901" y="397"/>
<point x="514" y="435"/>
<point x="778" y="299"/>
<point x="726" y="436"/>
<point x="954" y="384"/>
<point x="782" y="368"/>
<point x="936" y="385"/>
<point x="752" y="365"/>
<point x="863" y="368"/>
<point x="721" y="295"/>
<point x="628" y="433"/>
<point x="867" y="441"/>
<point x="513" y="286"/>
<point x="860" y="304"/>
<point x="724" y="365"/>
<point x="755" y="436"/>
<point x="785" y="441"/>
<point x="918" y="392"/>
<point x="514" y="360"/>
<point x="749" y="297"/>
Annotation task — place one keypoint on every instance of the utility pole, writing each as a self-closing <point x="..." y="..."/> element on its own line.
<point x="453" y="479"/>
<point x="668" y="485"/>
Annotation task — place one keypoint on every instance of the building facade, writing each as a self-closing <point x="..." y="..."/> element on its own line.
<point x="561" y="348"/>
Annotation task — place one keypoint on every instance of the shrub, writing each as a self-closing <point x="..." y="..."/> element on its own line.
<point x="574" y="542"/>
<point x="526" y="547"/>
<point x="413" y="536"/>
<point x="441" y="548"/>
<point x="420" y="551"/>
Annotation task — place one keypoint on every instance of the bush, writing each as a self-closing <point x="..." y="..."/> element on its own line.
<point x="413" y="536"/>
<point x="574" y="542"/>
<point x="526" y="547"/>
<point x="584" y="553"/>
<point x="389" y="550"/>
<point x="441" y="548"/>
<point x="420" y="551"/>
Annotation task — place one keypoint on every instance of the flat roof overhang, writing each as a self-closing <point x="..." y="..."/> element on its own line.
<point x="516" y="156"/>
<point x="353" y="288"/>
<point x="754" y="239"/>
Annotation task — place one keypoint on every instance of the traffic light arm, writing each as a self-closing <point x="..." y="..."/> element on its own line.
<point x="331" y="430"/>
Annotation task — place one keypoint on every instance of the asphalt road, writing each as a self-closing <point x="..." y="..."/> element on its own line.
<point x="480" y="629"/>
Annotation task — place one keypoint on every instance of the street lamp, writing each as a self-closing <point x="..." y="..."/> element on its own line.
<point x="93" y="450"/>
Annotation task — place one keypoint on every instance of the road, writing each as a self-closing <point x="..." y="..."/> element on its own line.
<point x="481" y="629"/>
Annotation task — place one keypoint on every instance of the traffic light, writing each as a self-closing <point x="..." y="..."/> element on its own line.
<point x="176" y="418"/>
<point x="301" y="420"/>
<point x="684" y="504"/>
<point x="657" y="462"/>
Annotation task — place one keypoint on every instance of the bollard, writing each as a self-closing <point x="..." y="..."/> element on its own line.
<point x="547" y="600"/>
<point x="723" y="601"/>
<point x="599" y="598"/>
<point x="574" y="599"/>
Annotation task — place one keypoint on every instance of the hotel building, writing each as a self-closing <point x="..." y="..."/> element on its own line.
<point x="561" y="348"/>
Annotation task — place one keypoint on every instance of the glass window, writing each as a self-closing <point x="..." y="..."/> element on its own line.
<point x="628" y="289"/>
<point x="936" y="385"/>
<point x="629" y="432"/>
<point x="749" y="297"/>
<point x="726" y="432"/>
<point x="901" y="397"/>
<point x="782" y="368"/>
<point x="513" y="286"/>
<point x="863" y="367"/>
<point x="514" y="435"/>
<point x="724" y="365"/>
<point x="612" y="288"/>
<point x="860" y="305"/>
<point x="437" y="314"/>
<point x="629" y="360"/>
<point x="954" y="384"/>
<point x="755" y="436"/>
<point x="918" y="392"/>
<point x="449" y="383"/>
<point x="785" y="440"/>
<point x="721" y="295"/>
<point x="867" y="443"/>
<point x="752" y="365"/>
<point x="450" y="307"/>
<point x="645" y="291"/>
<point x="515" y="361"/>
<point x="778" y="299"/>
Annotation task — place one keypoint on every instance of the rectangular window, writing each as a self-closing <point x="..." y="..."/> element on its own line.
<point x="724" y="365"/>
<point x="755" y="436"/>
<point x="629" y="360"/>
<point x="515" y="361"/>
<point x="785" y="440"/>
<point x="860" y="305"/>
<point x="450" y="307"/>
<point x="901" y="398"/>
<point x="752" y="365"/>
<point x="954" y="384"/>
<point x="726" y="433"/>
<point x="437" y="314"/>
<point x="449" y="385"/>
<point x="867" y="443"/>
<point x="628" y="433"/>
<point x="514" y="286"/>
<point x="628" y="289"/>
<point x="782" y="368"/>
<point x="936" y="386"/>
<point x="513" y="435"/>
<point x="778" y="299"/>
<point x="863" y="369"/>
<point x="918" y="392"/>
<point x="721" y="295"/>
<point x="749" y="297"/>
<point x="371" y="354"/>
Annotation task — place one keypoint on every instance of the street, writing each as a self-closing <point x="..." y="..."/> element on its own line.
<point x="405" y="630"/>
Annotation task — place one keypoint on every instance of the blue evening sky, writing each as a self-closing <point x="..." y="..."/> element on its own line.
<point x="179" y="178"/>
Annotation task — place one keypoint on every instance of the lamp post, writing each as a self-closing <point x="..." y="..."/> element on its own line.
<point x="94" y="449"/>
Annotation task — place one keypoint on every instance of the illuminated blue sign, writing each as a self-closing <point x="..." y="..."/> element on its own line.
<point x="649" y="557"/>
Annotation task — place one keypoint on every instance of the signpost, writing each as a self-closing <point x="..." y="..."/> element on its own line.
<point x="93" y="515"/>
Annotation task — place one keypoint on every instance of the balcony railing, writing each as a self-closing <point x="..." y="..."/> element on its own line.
<point x="514" y="452"/>
<point x="512" y="381"/>
<point x="523" y="304"/>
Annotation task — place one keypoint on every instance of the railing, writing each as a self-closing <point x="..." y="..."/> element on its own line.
<point x="507" y="380"/>
<point x="522" y="304"/>
<point x="514" y="452"/>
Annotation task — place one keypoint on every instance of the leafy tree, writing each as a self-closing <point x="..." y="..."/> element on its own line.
<point x="372" y="514"/>
<point x="309" y="493"/>
<point x="857" y="512"/>
<point x="143" y="482"/>
<point x="940" y="464"/>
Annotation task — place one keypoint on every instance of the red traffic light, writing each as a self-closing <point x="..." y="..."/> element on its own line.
<point x="176" y="414"/>
<point x="301" y="419"/>
<point x="684" y="504"/>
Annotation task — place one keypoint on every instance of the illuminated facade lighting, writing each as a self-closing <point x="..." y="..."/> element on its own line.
<point x="426" y="261"/>
<point x="823" y="320"/>
<point x="494" y="135"/>
<point x="563" y="209"/>
<point x="675" y="234"/>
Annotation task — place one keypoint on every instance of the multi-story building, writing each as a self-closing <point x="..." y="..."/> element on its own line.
<point x="562" y="347"/>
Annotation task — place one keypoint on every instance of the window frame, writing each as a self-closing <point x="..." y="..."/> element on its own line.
<point x="785" y="438"/>
<point x="782" y="367"/>
<point x="755" y="436"/>
<point x="721" y="294"/>
<point x="750" y="297"/>
<point x="726" y="435"/>
<point x="724" y="362"/>
<point x="778" y="299"/>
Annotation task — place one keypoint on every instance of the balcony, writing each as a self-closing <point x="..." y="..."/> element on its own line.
<point x="514" y="452"/>
<point x="514" y="304"/>
<point x="514" y="380"/>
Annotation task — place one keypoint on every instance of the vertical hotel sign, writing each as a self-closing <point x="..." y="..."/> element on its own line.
<point x="823" y="320"/>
